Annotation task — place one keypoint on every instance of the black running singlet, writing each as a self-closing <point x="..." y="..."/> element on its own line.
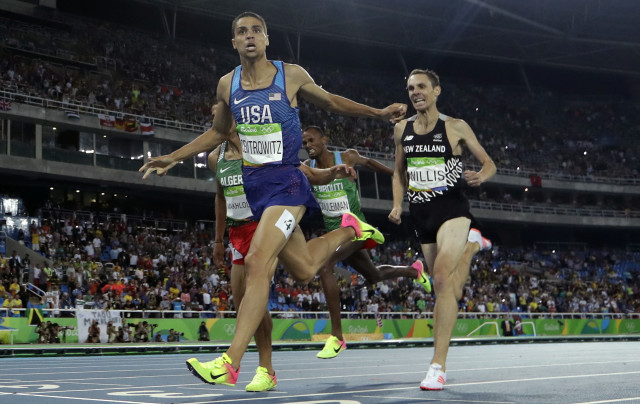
<point x="434" y="172"/>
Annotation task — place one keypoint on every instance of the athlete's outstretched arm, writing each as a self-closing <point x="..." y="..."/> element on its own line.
<point x="316" y="95"/>
<point x="353" y="158"/>
<point x="222" y="125"/>
<point x="220" y="204"/>
<point x="323" y="176"/>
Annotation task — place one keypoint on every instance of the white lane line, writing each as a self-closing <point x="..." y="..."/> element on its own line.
<point x="316" y="368"/>
<point x="534" y="379"/>
<point x="352" y="392"/>
<point x="370" y="391"/>
<point x="434" y="399"/>
<point x="615" y="400"/>
<point x="186" y="374"/>
<point x="101" y="388"/>
<point x="110" y="400"/>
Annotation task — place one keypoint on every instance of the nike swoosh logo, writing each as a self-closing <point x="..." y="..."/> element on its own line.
<point x="224" y="169"/>
<point x="219" y="376"/>
<point x="238" y="101"/>
<point x="336" y="350"/>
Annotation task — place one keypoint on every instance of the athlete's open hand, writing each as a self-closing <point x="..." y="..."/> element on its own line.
<point x="343" y="171"/>
<point x="396" y="215"/>
<point x="394" y="112"/>
<point x="160" y="165"/>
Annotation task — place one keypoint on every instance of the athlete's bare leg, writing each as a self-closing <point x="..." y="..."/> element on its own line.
<point x="278" y="236"/>
<point x="449" y="248"/>
<point x="332" y="295"/>
<point x="361" y="261"/>
<point x="263" y="333"/>
<point x="463" y="268"/>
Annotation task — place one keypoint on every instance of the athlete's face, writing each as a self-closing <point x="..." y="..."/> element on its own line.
<point x="250" y="38"/>
<point x="313" y="143"/>
<point x="421" y="92"/>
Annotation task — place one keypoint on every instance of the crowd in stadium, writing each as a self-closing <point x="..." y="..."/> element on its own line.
<point x="115" y="265"/>
<point x="144" y="74"/>
<point x="112" y="265"/>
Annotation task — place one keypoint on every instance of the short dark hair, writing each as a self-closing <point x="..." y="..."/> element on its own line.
<point x="315" y="128"/>
<point x="247" y="14"/>
<point x="433" y="76"/>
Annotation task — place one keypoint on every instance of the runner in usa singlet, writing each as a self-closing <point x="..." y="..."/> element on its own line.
<point x="270" y="134"/>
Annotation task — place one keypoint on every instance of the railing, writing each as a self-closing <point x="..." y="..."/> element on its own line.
<point x="35" y="290"/>
<point x="488" y="323"/>
<point x="103" y="217"/>
<point x="549" y="210"/>
<point x="159" y="122"/>
<point x="559" y="176"/>
<point x="317" y="315"/>
<point x="94" y="111"/>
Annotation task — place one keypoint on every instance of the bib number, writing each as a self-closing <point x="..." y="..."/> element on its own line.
<point x="261" y="144"/>
<point x="427" y="174"/>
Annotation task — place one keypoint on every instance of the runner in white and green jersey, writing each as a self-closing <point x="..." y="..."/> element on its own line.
<point x="336" y="198"/>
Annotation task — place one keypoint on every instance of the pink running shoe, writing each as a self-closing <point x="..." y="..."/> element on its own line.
<point x="363" y="230"/>
<point x="423" y="278"/>
<point x="476" y="237"/>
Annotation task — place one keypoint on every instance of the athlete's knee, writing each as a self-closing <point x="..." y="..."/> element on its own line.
<point x="256" y="267"/>
<point x="442" y="281"/>
<point x="302" y="278"/>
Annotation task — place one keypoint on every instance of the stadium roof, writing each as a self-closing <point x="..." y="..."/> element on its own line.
<point x="598" y="35"/>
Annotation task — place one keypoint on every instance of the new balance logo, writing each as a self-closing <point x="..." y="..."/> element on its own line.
<point x="238" y="101"/>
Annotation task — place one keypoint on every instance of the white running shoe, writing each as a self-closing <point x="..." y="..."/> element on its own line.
<point x="435" y="378"/>
<point x="476" y="237"/>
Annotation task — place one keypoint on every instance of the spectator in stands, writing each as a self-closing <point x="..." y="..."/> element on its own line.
<point x="42" y="330"/>
<point x="507" y="327"/>
<point x="112" y="332"/>
<point x="93" y="333"/>
<point x="14" y="288"/>
<point x="203" y="332"/>
<point x="124" y="333"/>
<point x="11" y="303"/>
<point x="173" y="336"/>
<point x="141" y="332"/>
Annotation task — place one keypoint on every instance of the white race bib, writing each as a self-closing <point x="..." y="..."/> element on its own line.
<point x="426" y="173"/>
<point x="333" y="203"/>
<point x="261" y="144"/>
<point x="237" y="206"/>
